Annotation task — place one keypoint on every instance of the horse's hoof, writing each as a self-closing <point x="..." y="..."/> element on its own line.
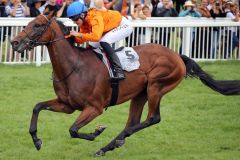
<point x="119" y="143"/>
<point x="100" y="153"/>
<point x="101" y="128"/>
<point x="38" y="144"/>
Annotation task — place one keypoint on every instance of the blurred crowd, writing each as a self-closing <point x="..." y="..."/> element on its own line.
<point x="129" y="8"/>
<point x="141" y="9"/>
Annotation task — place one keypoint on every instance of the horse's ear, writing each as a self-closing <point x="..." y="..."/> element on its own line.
<point x="51" y="14"/>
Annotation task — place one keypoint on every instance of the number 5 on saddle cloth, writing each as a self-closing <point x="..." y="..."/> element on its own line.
<point x="129" y="60"/>
<point x="128" y="57"/>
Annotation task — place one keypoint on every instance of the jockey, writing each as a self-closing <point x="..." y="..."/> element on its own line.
<point x="100" y="28"/>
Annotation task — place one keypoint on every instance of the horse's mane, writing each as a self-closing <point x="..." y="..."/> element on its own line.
<point x="66" y="31"/>
<point x="63" y="27"/>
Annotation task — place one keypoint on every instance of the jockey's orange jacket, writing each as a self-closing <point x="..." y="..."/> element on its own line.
<point x="97" y="23"/>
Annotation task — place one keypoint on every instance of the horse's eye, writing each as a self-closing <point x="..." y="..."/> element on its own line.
<point x="37" y="25"/>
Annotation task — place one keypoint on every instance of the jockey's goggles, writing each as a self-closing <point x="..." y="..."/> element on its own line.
<point x="75" y="18"/>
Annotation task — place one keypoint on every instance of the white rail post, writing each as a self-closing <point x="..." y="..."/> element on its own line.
<point x="47" y="54"/>
<point x="148" y="35"/>
<point x="38" y="56"/>
<point x="186" y="41"/>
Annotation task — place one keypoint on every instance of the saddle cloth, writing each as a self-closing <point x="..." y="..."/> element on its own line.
<point x="128" y="57"/>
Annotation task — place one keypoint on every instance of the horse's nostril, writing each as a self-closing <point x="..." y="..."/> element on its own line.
<point x="14" y="43"/>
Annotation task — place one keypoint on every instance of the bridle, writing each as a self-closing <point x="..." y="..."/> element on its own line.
<point x="33" y="41"/>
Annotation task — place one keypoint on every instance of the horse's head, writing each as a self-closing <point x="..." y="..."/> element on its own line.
<point x="39" y="31"/>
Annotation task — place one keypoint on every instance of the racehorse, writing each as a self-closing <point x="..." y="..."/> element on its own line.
<point x="81" y="81"/>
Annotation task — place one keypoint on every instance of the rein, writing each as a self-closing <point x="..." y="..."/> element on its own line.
<point x="74" y="68"/>
<point x="52" y="41"/>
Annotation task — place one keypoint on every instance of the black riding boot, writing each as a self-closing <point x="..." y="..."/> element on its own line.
<point x="114" y="61"/>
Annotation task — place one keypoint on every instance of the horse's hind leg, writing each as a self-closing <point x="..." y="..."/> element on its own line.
<point x="51" y="105"/>
<point x="155" y="91"/>
<point x="134" y="118"/>
<point x="86" y="116"/>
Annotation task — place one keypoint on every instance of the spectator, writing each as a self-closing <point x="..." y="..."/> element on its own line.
<point x="51" y="6"/>
<point x="34" y="8"/>
<point x="3" y="4"/>
<point x="62" y="12"/>
<point x="109" y="4"/>
<point x="232" y="11"/>
<point x="42" y="8"/>
<point x="27" y="9"/>
<point x="149" y="4"/>
<point x="161" y="3"/>
<point x="232" y="41"/>
<point x="210" y="5"/>
<point x="204" y="35"/>
<point x="125" y="9"/>
<point x="203" y="9"/>
<point x="99" y="5"/>
<point x="133" y="5"/>
<point x="137" y="13"/>
<point x="87" y="3"/>
<point x="179" y="5"/>
<point x="157" y="4"/>
<point x="216" y="11"/>
<point x="123" y="6"/>
<point x="194" y="2"/>
<point x="166" y="10"/>
<point x="138" y="32"/>
<point x="3" y="30"/>
<point x="146" y="11"/>
<point x="59" y="2"/>
<point x="190" y="10"/>
<point x="16" y="9"/>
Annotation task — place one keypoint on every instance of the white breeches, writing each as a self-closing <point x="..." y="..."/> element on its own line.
<point x="122" y="31"/>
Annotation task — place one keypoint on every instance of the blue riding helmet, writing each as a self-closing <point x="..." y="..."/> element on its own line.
<point x="76" y="8"/>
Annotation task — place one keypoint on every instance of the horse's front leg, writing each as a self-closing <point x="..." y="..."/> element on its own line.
<point x="51" y="105"/>
<point x="86" y="116"/>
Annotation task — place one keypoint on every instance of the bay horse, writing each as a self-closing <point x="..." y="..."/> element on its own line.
<point x="81" y="81"/>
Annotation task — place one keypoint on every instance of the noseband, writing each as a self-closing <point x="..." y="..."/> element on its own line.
<point x="33" y="41"/>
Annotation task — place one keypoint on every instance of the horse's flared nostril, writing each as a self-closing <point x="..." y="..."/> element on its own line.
<point x="15" y="44"/>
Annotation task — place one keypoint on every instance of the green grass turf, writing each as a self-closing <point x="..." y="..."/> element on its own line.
<point x="197" y="123"/>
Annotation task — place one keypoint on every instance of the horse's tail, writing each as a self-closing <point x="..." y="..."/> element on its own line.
<point x="226" y="87"/>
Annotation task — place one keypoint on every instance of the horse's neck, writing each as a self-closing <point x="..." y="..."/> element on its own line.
<point x="63" y="57"/>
